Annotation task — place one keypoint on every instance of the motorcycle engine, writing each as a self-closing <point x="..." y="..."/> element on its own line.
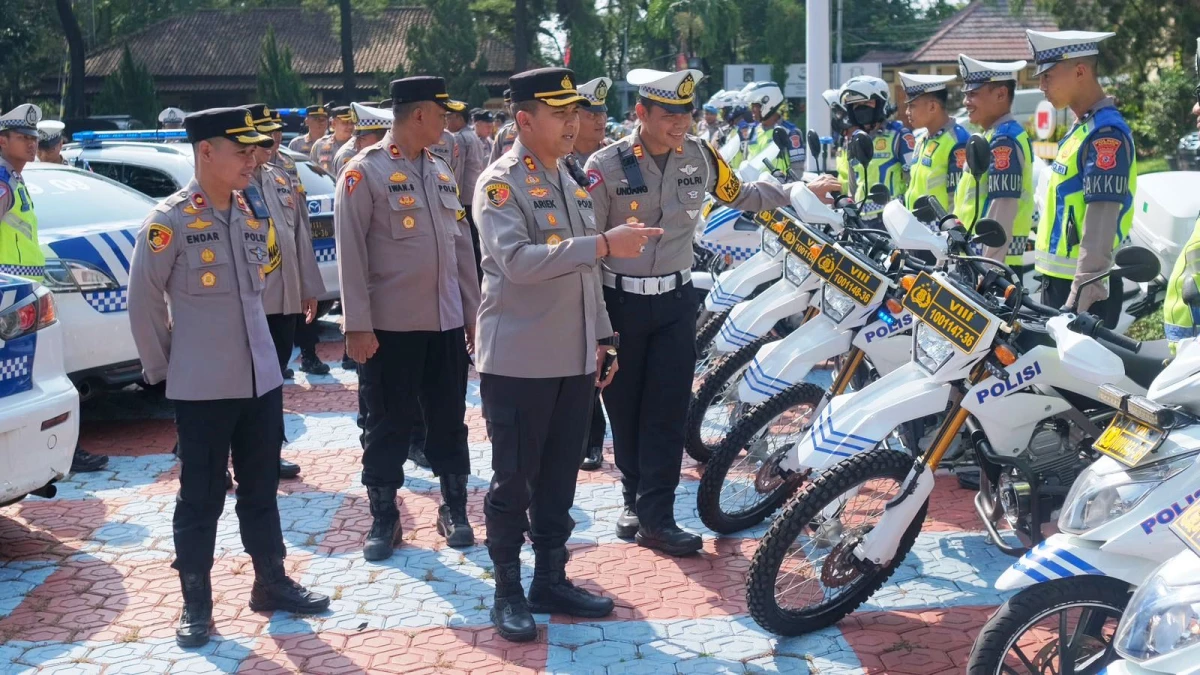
<point x="1054" y="459"/>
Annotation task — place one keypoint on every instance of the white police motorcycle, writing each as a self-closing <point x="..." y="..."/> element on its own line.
<point x="1159" y="631"/>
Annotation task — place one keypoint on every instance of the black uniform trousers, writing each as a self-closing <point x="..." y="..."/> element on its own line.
<point x="284" y="330"/>
<point x="307" y="334"/>
<point x="648" y="398"/>
<point x="1055" y="292"/>
<point x="538" y="427"/>
<point x="475" y="245"/>
<point x="208" y="431"/>
<point x="427" y="365"/>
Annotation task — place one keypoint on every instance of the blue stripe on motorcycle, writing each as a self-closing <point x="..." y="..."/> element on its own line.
<point x="1030" y="572"/>
<point x="1077" y="561"/>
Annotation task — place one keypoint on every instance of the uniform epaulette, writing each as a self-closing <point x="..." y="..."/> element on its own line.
<point x="171" y="201"/>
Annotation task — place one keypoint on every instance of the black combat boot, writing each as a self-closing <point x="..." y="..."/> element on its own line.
<point x="385" y="528"/>
<point x="311" y="364"/>
<point x="669" y="539"/>
<point x="274" y="591"/>
<point x="553" y="593"/>
<point x="348" y="363"/>
<point x="452" y="520"/>
<point x="197" y="610"/>
<point x="288" y="470"/>
<point x="592" y="459"/>
<point x="510" y="613"/>
<point x="628" y="524"/>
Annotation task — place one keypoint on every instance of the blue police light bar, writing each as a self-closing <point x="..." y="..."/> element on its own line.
<point x="827" y="140"/>
<point x="150" y="135"/>
<point x="298" y="112"/>
<point x="885" y="316"/>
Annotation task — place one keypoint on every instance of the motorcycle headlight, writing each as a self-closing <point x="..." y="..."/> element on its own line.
<point x="1161" y="617"/>
<point x="70" y="276"/>
<point x="933" y="350"/>
<point x="1103" y="492"/>
<point x="770" y="242"/>
<point x="835" y="304"/>
<point x="795" y="270"/>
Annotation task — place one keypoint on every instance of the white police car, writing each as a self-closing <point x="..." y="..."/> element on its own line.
<point x="140" y="160"/>
<point x="39" y="407"/>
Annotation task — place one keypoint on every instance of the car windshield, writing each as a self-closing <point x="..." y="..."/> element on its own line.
<point x="71" y="198"/>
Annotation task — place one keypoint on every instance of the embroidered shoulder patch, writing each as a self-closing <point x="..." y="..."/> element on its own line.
<point x="498" y="194"/>
<point x="158" y="237"/>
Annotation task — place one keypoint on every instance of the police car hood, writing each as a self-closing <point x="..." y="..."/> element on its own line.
<point x="62" y="233"/>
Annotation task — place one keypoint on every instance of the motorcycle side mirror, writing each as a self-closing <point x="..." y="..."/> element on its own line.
<point x="780" y="137"/>
<point x="1191" y="294"/>
<point x="814" y="144"/>
<point x="1136" y="264"/>
<point x="862" y="149"/>
<point x="979" y="155"/>
<point x="879" y="194"/>
<point x="989" y="233"/>
<point x="923" y="211"/>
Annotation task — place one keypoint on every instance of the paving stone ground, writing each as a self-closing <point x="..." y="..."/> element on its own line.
<point x="86" y="584"/>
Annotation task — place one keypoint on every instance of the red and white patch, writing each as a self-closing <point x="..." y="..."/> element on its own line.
<point x="910" y="141"/>
<point x="241" y="202"/>
<point x="353" y="177"/>
<point x="1001" y="157"/>
<point x="1106" y="152"/>
<point x="796" y="142"/>
<point x="198" y="201"/>
<point x="960" y="158"/>
<point x="595" y="178"/>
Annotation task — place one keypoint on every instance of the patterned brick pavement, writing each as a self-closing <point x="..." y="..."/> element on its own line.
<point x="86" y="587"/>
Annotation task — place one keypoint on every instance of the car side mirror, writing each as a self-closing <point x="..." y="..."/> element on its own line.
<point x="979" y="155"/>
<point x="989" y="233"/>
<point x="1136" y="264"/>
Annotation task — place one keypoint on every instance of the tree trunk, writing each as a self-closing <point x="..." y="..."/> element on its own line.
<point x="76" y="51"/>
<point x="521" y="35"/>
<point x="349" y="81"/>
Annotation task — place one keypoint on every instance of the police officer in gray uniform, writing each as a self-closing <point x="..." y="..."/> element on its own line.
<point x="316" y="119"/>
<point x="542" y="325"/>
<point x="293" y="278"/>
<point x="474" y="160"/>
<point x="324" y="148"/>
<point x="409" y="298"/>
<point x="659" y="175"/>
<point x="198" y="250"/>
<point x="508" y="132"/>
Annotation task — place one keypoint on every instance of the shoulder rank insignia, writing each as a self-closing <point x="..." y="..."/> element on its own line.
<point x="529" y="163"/>
<point x="241" y="202"/>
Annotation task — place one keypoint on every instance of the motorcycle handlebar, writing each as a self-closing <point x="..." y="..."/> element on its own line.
<point x="1089" y="325"/>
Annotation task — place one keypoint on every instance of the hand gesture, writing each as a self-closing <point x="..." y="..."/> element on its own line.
<point x="629" y="240"/>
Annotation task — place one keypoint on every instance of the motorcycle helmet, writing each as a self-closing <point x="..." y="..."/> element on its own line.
<point x="862" y="89"/>
<point x="768" y="95"/>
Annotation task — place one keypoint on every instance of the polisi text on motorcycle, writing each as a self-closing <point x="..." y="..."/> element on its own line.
<point x="1169" y="514"/>
<point x="1014" y="381"/>
<point x="902" y="323"/>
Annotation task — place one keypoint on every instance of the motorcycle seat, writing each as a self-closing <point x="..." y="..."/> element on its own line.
<point x="1141" y="368"/>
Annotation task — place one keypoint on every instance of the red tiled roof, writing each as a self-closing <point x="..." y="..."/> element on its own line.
<point x="986" y="30"/>
<point x="223" y="43"/>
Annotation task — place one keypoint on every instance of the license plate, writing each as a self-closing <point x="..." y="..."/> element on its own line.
<point x="846" y="275"/>
<point x="1129" y="440"/>
<point x="322" y="228"/>
<point x="766" y="219"/>
<point x="1187" y="528"/>
<point x="946" y="312"/>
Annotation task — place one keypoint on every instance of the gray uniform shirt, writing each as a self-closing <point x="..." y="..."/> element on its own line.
<point x="208" y="266"/>
<point x="405" y="260"/>
<point x="671" y="199"/>
<point x="292" y="272"/>
<point x="543" y="306"/>
<point x="449" y="149"/>
<point x="504" y="140"/>
<point x="301" y="144"/>
<point x="474" y="161"/>
<point x="344" y="154"/>
<point x="323" y="151"/>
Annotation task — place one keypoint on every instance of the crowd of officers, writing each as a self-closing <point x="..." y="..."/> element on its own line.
<point x="555" y="261"/>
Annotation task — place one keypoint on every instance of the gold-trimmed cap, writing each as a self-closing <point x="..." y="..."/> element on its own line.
<point x="424" y="88"/>
<point x="552" y="86"/>
<point x="235" y="124"/>
<point x="674" y="91"/>
<point x="263" y="118"/>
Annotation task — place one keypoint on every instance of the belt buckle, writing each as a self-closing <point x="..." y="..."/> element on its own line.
<point x="653" y="285"/>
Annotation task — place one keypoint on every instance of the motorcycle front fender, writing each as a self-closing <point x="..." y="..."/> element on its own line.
<point x="782" y="364"/>
<point x="735" y="285"/>
<point x="856" y="422"/>
<point x="750" y="320"/>
<point x="1063" y="556"/>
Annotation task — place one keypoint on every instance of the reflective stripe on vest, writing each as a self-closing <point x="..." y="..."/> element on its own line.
<point x="964" y="201"/>
<point x="930" y="172"/>
<point x="1060" y="229"/>
<point x="20" y="253"/>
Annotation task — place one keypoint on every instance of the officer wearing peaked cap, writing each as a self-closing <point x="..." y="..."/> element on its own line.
<point x="1088" y="211"/>
<point x="941" y="154"/>
<point x="409" y="298"/>
<point x="50" y="142"/>
<point x="370" y="124"/>
<point x="482" y="121"/>
<point x="170" y="118"/>
<point x="507" y="134"/>
<point x="1006" y="193"/>
<point x="659" y="176"/>
<point x="473" y="160"/>
<point x="540" y="253"/>
<point x="324" y="148"/>
<point x="316" y="120"/>
<point x="195" y="306"/>
<point x="593" y="115"/>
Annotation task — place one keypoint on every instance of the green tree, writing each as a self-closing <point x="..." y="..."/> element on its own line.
<point x="1162" y="116"/>
<point x="448" y="46"/>
<point x="129" y="90"/>
<point x="279" y="85"/>
<point x="585" y="34"/>
<point x="32" y="43"/>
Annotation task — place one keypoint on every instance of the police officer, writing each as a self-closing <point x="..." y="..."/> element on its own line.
<point x="409" y="298"/>
<point x="293" y="278"/>
<point x="199" y="251"/>
<point x="474" y="159"/>
<point x="482" y="122"/>
<point x="866" y="101"/>
<point x="50" y="142"/>
<point x="170" y="118"/>
<point x="1183" y="296"/>
<point x="593" y="114"/>
<point x="941" y="153"/>
<point x="767" y="106"/>
<point x="508" y="131"/>
<point x="316" y="120"/>
<point x="20" y="253"/>
<point x="1006" y="194"/>
<point x="324" y="148"/>
<point x="540" y="251"/>
<point x="1088" y="204"/>
<point x="659" y="175"/>
<point x="371" y="124"/>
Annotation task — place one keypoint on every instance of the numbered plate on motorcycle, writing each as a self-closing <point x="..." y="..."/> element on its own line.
<point x="946" y="312"/>
<point x="845" y="274"/>
<point x="769" y="220"/>
<point x="1187" y="528"/>
<point x="1129" y="440"/>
